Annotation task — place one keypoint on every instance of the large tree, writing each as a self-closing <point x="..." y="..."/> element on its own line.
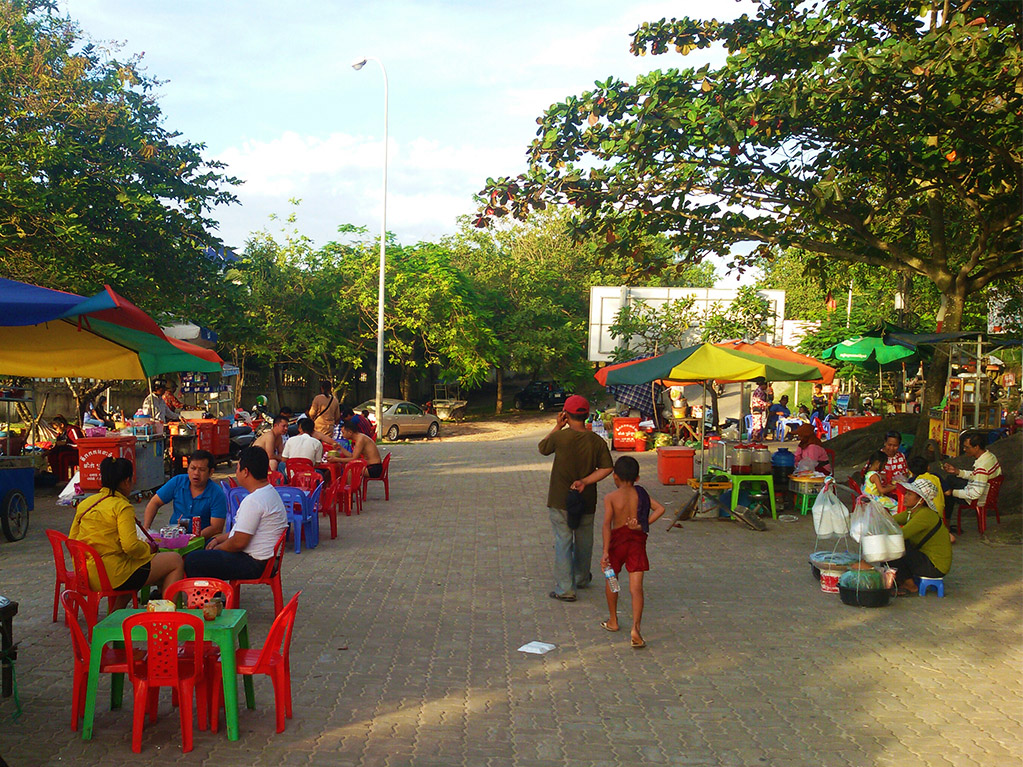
<point x="93" y="188"/>
<point x="869" y="131"/>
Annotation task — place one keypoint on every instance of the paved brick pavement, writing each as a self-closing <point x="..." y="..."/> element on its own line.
<point x="405" y="651"/>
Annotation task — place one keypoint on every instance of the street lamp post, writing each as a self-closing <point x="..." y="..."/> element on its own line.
<point x="357" y="65"/>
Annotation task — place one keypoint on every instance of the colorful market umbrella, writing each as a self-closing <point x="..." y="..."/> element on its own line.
<point x="706" y="362"/>
<point x="827" y="373"/>
<point x="49" y="334"/>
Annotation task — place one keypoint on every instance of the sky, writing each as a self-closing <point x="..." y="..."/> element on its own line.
<point x="269" y="88"/>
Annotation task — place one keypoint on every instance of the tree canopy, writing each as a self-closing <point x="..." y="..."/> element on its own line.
<point x="869" y="131"/>
<point x="93" y="188"/>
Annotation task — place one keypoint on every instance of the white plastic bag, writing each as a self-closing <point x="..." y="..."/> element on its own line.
<point x="871" y="526"/>
<point x="66" y="497"/>
<point x="830" y="517"/>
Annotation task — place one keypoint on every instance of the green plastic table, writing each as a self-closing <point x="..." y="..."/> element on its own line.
<point x="229" y="630"/>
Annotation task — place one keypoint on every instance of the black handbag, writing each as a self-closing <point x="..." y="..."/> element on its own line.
<point x="575" y="507"/>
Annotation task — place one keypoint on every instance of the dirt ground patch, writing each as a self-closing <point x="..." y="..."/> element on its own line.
<point x="491" y="427"/>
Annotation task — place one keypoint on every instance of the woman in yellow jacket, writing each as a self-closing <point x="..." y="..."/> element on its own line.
<point x="106" y="521"/>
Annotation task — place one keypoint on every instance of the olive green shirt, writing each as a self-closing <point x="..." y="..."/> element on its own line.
<point x="576" y="455"/>
<point x="916" y="524"/>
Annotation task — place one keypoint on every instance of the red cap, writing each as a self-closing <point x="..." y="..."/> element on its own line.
<point x="576" y="405"/>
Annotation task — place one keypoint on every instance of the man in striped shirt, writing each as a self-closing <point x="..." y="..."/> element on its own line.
<point x="985" y="468"/>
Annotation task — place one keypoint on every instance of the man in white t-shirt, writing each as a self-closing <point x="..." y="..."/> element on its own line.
<point x="304" y="444"/>
<point x="242" y="553"/>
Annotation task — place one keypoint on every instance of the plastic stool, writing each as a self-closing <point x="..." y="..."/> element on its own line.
<point x="738" y="479"/>
<point x="938" y="584"/>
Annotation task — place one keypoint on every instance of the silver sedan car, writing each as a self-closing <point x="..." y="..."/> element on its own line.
<point x="402" y="419"/>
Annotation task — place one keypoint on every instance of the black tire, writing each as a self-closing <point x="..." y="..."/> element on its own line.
<point x="433" y="431"/>
<point x="542" y="406"/>
<point x="518" y="404"/>
<point x="392" y="434"/>
<point x="14" y="515"/>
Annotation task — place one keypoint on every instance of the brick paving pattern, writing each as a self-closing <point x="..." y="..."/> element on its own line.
<point x="405" y="648"/>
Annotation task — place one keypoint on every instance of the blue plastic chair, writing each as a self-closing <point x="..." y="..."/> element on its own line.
<point x="297" y="506"/>
<point x="314" y="512"/>
<point x="234" y="500"/>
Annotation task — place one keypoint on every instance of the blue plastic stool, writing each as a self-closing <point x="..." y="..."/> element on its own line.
<point x="938" y="584"/>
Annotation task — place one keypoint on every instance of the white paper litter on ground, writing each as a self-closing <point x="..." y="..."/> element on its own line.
<point x="537" y="648"/>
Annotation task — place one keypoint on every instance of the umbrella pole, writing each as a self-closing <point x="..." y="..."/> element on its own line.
<point x="653" y="396"/>
<point x="703" y="447"/>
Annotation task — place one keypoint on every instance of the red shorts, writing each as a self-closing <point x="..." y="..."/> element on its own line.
<point x="628" y="547"/>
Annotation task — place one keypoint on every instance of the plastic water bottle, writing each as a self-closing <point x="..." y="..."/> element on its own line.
<point x="612" y="580"/>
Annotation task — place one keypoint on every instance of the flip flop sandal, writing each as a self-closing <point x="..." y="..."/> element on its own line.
<point x="603" y="625"/>
<point x="638" y="645"/>
<point x="562" y="597"/>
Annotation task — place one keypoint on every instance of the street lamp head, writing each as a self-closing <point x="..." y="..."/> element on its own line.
<point x="359" y="63"/>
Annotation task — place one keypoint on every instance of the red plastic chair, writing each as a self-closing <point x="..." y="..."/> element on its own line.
<point x="299" y="470"/>
<point x="271" y="576"/>
<point x="990" y="503"/>
<point x="112" y="661"/>
<point x="277" y="478"/>
<point x="855" y="486"/>
<point x="163" y="666"/>
<point x="328" y="504"/>
<point x="272" y="659"/>
<point x="200" y="591"/>
<point x="65" y="576"/>
<point x="382" y="478"/>
<point x="350" y="491"/>
<point x="82" y="554"/>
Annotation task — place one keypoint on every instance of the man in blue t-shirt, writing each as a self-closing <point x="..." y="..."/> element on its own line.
<point x="194" y="496"/>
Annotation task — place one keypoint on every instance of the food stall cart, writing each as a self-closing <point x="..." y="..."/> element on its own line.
<point x="50" y="334"/>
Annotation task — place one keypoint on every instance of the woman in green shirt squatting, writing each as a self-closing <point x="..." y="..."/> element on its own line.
<point x="928" y="544"/>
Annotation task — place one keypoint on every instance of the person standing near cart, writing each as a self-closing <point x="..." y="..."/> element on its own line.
<point x="581" y="460"/>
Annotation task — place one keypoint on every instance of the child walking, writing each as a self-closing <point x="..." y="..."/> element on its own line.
<point x="628" y="512"/>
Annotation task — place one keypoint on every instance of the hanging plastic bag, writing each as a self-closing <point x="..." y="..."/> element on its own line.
<point x="71" y="489"/>
<point x="880" y="538"/>
<point x="830" y="516"/>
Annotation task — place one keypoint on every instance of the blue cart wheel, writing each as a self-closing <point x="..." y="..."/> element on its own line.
<point x="14" y="515"/>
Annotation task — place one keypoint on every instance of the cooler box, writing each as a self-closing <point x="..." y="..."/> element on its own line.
<point x="149" y="472"/>
<point x="852" y="422"/>
<point x="624" y="430"/>
<point x="92" y="451"/>
<point x="213" y="434"/>
<point x="675" y="465"/>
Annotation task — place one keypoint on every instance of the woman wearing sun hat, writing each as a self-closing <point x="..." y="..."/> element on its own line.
<point x="928" y="545"/>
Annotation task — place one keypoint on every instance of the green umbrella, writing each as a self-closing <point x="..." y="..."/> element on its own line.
<point x="871" y="352"/>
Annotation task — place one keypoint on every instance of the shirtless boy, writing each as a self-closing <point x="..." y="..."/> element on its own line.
<point x="628" y="512"/>
<point x="362" y="447"/>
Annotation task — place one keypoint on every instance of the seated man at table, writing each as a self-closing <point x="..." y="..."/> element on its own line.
<point x="777" y="410"/>
<point x="272" y="441"/>
<point x="304" y="444"/>
<point x="242" y="553"/>
<point x="362" y="448"/>
<point x="194" y="496"/>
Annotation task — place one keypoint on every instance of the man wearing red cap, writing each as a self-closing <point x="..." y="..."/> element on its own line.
<point x="581" y="460"/>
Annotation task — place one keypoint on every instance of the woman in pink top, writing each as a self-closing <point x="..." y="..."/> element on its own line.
<point x="811" y="449"/>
